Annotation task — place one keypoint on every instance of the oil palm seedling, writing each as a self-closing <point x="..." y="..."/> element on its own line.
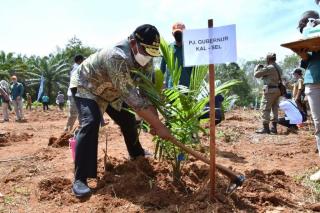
<point x="181" y="107"/>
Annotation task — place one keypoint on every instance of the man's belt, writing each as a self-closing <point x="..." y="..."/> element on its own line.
<point x="272" y="87"/>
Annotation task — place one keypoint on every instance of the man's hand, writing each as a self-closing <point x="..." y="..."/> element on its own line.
<point x="18" y="98"/>
<point x="150" y="115"/>
<point x="163" y="132"/>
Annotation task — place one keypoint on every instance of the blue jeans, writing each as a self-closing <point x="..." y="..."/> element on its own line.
<point x="87" y="138"/>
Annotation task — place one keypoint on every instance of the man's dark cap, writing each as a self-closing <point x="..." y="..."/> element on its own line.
<point x="149" y="38"/>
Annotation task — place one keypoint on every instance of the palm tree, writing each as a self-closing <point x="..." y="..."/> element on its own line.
<point x="6" y="64"/>
<point x="55" y="74"/>
<point x="12" y="65"/>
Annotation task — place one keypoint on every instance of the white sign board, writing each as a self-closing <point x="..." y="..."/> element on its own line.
<point x="210" y="46"/>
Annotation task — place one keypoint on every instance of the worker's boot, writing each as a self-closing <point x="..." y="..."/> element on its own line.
<point x="273" y="129"/>
<point x="264" y="130"/>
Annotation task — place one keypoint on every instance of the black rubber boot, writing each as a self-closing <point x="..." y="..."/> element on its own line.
<point x="273" y="129"/>
<point x="264" y="130"/>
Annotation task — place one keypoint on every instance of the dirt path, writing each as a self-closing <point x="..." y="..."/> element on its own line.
<point x="35" y="177"/>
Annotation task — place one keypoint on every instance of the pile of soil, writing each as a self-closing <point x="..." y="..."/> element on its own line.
<point x="45" y="154"/>
<point x="39" y="179"/>
<point x="62" y="141"/>
<point x="55" y="188"/>
<point x="264" y="190"/>
<point x="149" y="184"/>
<point x="6" y="138"/>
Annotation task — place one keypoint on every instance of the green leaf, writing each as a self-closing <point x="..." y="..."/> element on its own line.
<point x="159" y="78"/>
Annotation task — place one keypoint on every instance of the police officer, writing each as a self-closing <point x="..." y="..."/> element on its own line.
<point x="270" y="76"/>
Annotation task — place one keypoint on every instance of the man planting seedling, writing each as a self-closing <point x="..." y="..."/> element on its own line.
<point x="105" y="78"/>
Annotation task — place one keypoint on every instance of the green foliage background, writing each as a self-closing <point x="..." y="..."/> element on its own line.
<point x="55" y="68"/>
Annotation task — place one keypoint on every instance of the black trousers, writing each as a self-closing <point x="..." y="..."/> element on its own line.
<point x="87" y="139"/>
<point x="218" y="116"/>
<point x="45" y="106"/>
<point x="61" y="105"/>
<point x="286" y="123"/>
<point x="128" y="126"/>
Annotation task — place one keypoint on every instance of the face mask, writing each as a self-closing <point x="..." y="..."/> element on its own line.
<point x="178" y="36"/>
<point x="142" y="59"/>
<point x="14" y="81"/>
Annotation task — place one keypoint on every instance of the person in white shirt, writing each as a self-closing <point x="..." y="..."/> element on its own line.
<point x="73" y="112"/>
<point x="293" y="115"/>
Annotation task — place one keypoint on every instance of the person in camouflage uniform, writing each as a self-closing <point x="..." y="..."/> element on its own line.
<point x="103" y="79"/>
<point x="5" y="96"/>
<point x="271" y="92"/>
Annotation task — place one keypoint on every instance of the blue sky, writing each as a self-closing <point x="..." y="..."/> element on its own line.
<point x="39" y="26"/>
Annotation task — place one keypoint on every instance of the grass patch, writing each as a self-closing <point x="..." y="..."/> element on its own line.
<point x="313" y="186"/>
<point x="228" y="135"/>
<point x="219" y="134"/>
<point x="8" y="200"/>
<point x="22" y="191"/>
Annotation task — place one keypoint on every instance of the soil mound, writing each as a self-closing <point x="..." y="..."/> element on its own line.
<point x="6" y="138"/>
<point x="55" y="188"/>
<point x="264" y="190"/>
<point x="150" y="184"/>
<point x="62" y="141"/>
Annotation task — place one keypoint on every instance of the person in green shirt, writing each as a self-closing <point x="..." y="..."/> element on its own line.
<point x="45" y="102"/>
<point x="17" y="90"/>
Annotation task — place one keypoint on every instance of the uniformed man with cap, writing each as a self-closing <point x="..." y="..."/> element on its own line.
<point x="177" y="46"/>
<point x="271" y="92"/>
